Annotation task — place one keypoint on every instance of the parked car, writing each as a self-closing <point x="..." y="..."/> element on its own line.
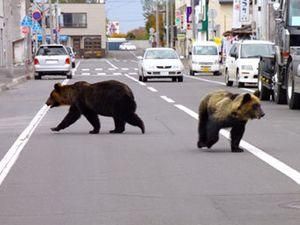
<point x="204" y="58"/>
<point x="72" y="55"/>
<point x="160" y="63"/>
<point x="127" y="46"/>
<point x="52" y="59"/>
<point x="242" y="62"/>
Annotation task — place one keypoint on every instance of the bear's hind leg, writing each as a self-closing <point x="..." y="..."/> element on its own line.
<point x="236" y="134"/>
<point x="135" y="120"/>
<point x="212" y="134"/>
<point x="119" y="126"/>
<point x="202" y="134"/>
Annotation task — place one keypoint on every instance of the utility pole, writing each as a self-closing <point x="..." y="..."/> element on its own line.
<point x="172" y="23"/>
<point x="167" y="23"/>
<point x="57" y="21"/>
<point x="51" y="22"/>
<point x="193" y="19"/>
<point x="157" y="24"/>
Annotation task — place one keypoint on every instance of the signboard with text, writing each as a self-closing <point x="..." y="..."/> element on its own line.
<point x="244" y="11"/>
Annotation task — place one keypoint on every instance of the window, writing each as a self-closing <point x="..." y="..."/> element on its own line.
<point x="294" y="13"/>
<point x="52" y="50"/>
<point x="205" y="50"/>
<point x="75" y="20"/>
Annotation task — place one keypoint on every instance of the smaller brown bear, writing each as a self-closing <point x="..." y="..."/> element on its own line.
<point x="222" y="109"/>
<point x="107" y="98"/>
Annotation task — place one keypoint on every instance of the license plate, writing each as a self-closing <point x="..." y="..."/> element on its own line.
<point x="164" y="73"/>
<point x="51" y="61"/>
<point x="205" y="68"/>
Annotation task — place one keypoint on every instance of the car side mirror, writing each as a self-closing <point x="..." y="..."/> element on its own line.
<point x="140" y="58"/>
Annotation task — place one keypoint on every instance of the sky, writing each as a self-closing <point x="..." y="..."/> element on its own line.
<point x="128" y="12"/>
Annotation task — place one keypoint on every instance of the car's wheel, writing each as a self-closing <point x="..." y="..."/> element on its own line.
<point x="217" y="73"/>
<point x="180" y="79"/>
<point x="239" y="84"/>
<point x="227" y="81"/>
<point x="192" y="72"/>
<point x="73" y="65"/>
<point x="174" y="79"/>
<point x="69" y="75"/>
<point x="279" y="92"/>
<point x="37" y="76"/>
<point x="140" y="78"/>
<point x="264" y="93"/>
<point x="293" y="99"/>
<point x="144" y="79"/>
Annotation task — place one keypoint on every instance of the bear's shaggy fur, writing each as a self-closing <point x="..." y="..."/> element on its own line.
<point x="108" y="98"/>
<point x="222" y="109"/>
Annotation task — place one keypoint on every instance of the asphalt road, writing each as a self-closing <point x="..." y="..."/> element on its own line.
<point x="156" y="178"/>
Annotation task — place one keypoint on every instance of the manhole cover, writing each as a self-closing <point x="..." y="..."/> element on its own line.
<point x="291" y="205"/>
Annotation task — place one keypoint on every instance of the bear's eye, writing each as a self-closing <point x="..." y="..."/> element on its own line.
<point x="255" y="106"/>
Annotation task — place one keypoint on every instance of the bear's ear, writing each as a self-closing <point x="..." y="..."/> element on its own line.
<point x="57" y="86"/>
<point x="246" y="98"/>
<point x="256" y="93"/>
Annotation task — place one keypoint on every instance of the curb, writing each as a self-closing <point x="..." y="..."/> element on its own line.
<point x="14" y="82"/>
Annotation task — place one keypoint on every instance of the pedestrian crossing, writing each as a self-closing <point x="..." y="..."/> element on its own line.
<point x="106" y="71"/>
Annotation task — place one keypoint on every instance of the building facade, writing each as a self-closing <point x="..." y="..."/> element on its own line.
<point x="83" y="27"/>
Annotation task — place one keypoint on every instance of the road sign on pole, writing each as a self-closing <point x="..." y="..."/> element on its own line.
<point x="26" y="22"/>
<point x="36" y="15"/>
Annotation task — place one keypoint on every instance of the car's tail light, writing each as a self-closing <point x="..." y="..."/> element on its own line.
<point x="36" y="61"/>
<point x="68" y="61"/>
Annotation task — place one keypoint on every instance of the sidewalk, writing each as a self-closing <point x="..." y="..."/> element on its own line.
<point x="18" y="74"/>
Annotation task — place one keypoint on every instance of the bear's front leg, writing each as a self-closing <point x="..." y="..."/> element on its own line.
<point x="237" y="133"/>
<point x="72" y="116"/>
<point x="202" y="133"/>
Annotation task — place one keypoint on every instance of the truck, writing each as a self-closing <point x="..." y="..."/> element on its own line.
<point x="279" y="74"/>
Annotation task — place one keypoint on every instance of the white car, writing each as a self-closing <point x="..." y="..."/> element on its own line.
<point x="241" y="64"/>
<point x="52" y="59"/>
<point x="204" y="58"/>
<point x="127" y="46"/>
<point x="160" y="63"/>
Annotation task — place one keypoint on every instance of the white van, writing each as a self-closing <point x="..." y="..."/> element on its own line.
<point x="204" y="58"/>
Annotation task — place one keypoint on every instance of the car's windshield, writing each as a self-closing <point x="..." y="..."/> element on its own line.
<point x="294" y="13"/>
<point x="205" y="50"/>
<point x="256" y="50"/>
<point x="51" y="50"/>
<point x="161" y="54"/>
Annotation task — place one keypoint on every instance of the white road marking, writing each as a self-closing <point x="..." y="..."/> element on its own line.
<point x="111" y="69"/>
<point x="85" y="74"/>
<point x="136" y="80"/>
<point x="152" y="89"/>
<point x="202" y="79"/>
<point x="77" y="65"/>
<point x="124" y="60"/>
<point x="117" y="73"/>
<point x="15" y="150"/>
<point x="111" y="64"/>
<point x="99" y="69"/>
<point x="272" y="161"/>
<point x="101" y="74"/>
<point x="169" y="100"/>
<point x="125" y="69"/>
<point x="136" y="69"/>
<point x="85" y="69"/>
<point x="132" y="73"/>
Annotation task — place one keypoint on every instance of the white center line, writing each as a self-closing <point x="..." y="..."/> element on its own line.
<point x="167" y="99"/>
<point x="111" y="64"/>
<point x="15" y="150"/>
<point x="136" y="80"/>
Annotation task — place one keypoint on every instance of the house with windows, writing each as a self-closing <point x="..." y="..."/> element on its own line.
<point x="83" y="27"/>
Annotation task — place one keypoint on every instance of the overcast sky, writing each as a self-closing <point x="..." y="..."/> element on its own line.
<point x="128" y="12"/>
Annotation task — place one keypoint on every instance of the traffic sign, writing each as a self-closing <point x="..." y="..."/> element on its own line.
<point x="26" y="22"/>
<point x="36" y="28"/>
<point x="25" y="30"/>
<point x="36" y="15"/>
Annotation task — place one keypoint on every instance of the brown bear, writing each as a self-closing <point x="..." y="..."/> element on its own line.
<point x="107" y="98"/>
<point x="223" y="109"/>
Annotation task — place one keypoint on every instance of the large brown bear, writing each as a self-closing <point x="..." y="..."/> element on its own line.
<point x="108" y="98"/>
<point x="222" y="109"/>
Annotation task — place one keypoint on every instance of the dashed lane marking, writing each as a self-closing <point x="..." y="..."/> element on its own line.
<point x="152" y="89"/>
<point x="85" y="69"/>
<point x="98" y="69"/>
<point x="111" y="69"/>
<point x="125" y="69"/>
<point x="132" y="73"/>
<point x="169" y="100"/>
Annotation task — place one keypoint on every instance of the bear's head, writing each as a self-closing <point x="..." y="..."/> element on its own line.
<point x="247" y="106"/>
<point x="61" y="95"/>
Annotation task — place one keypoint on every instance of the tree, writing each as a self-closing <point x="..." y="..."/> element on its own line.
<point x="138" y="33"/>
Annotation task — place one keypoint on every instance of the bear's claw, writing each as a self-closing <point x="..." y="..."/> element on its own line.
<point x="55" y="129"/>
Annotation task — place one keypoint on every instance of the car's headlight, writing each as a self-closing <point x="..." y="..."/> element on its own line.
<point x="247" y="67"/>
